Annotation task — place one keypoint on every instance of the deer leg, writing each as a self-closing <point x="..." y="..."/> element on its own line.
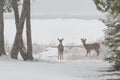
<point x="62" y="55"/>
<point x="58" y="56"/>
<point x="87" y="53"/>
<point x="97" y="52"/>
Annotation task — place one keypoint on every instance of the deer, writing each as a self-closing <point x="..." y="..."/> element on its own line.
<point x="92" y="46"/>
<point x="60" y="49"/>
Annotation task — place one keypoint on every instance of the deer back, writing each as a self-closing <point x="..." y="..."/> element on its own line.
<point x="92" y="46"/>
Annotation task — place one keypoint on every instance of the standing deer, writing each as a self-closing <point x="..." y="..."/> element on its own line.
<point x="60" y="49"/>
<point x="93" y="46"/>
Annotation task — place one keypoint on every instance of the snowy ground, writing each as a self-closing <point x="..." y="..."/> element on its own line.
<point x="46" y="66"/>
<point x="55" y="70"/>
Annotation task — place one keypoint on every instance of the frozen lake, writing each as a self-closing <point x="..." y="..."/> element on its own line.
<point x="48" y="30"/>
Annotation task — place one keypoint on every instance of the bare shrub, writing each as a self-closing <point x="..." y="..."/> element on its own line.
<point x="72" y="56"/>
<point x="7" y="47"/>
<point x="73" y="53"/>
<point x="37" y="48"/>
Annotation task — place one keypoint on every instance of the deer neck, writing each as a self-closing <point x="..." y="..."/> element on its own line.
<point x="84" y="44"/>
<point x="60" y="43"/>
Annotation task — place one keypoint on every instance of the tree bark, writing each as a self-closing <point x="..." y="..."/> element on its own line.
<point x="2" y="48"/>
<point x="16" y="14"/>
<point x="28" y="32"/>
<point x="18" y="37"/>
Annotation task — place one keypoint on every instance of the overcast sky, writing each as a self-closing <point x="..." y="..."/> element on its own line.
<point x="84" y="9"/>
<point x="76" y="7"/>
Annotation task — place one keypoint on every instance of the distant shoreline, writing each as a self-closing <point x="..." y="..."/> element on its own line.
<point x="86" y="17"/>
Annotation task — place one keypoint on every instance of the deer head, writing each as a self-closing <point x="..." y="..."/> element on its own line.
<point x="60" y="40"/>
<point x="83" y="40"/>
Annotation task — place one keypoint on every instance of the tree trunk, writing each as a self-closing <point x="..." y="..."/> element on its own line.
<point x="2" y="49"/>
<point x="16" y="14"/>
<point x="18" y="37"/>
<point x="28" y="32"/>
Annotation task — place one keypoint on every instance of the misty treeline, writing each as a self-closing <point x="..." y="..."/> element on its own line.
<point x="111" y="8"/>
<point x="20" y="19"/>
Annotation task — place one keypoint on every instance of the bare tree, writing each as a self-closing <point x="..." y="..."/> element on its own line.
<point x="16" y="14"/>
<point x="18" y="38"/>
<point x="28" y="27"/>
<point x="2" y="49"/>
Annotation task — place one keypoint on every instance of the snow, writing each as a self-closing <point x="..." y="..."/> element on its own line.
<point x="118" y="48"/>
<point x="59" y="70"/>
<point x="46" y="65"/>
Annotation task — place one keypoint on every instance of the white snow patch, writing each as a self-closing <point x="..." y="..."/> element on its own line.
<point x="47" y="67"/>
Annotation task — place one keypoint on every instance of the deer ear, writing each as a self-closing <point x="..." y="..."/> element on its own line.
<point x="62" y="38"/>
<point x="58" y="39"/>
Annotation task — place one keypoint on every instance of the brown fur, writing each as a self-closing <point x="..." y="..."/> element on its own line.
<point x="60" y="49"/>
<point x="89" y="47"/>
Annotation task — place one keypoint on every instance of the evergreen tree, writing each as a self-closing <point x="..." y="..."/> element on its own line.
<point x="112" y="33"/>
